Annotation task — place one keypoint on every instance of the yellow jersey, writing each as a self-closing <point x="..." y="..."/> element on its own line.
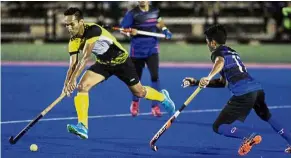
<point x="107" y="49"/>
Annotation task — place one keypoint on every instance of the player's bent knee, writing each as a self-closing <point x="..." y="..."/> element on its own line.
<point x="84" y="87"/>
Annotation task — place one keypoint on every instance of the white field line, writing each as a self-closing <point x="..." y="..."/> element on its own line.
<point x="129" y="115"/>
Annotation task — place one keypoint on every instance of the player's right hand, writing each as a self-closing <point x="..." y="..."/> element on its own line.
<point x="189" y="81"/>
<point x="167" y="33"/>
<point x="133" y="32"/>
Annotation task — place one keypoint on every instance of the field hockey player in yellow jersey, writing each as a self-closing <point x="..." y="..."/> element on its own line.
<point x="111" y="59"/>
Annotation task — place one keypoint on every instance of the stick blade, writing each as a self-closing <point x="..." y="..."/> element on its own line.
<point x="154" y="148"/>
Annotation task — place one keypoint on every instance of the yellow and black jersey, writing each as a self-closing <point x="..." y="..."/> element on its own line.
<point x="106" y="48"/>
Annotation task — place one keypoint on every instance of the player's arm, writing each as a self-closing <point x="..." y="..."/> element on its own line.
<point x="217" y="83"/>
<point x="83" y="61"/>
<point x="214" y="83"/>
<point x="217" y="67"/>
<point x="72" y="66"/>
<point x="162" y="26"/>
<point x="73" y="52"/>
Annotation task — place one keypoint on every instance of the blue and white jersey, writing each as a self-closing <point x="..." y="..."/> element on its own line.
<point x="234" y="71"/>
<point x="142" y="46"/>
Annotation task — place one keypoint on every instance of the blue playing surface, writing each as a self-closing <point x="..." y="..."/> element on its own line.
<point x="26" y="91"/>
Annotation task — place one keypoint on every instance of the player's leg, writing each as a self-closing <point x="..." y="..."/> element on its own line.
<point x="94" y="75"/>
<point x="263" y="112"/>
<point x="237" y="109"/>
<point x="126" y="72"/>
<point x="139" y="64"/>
<point x="151" y="94"/>
<point x="153" y="66"/>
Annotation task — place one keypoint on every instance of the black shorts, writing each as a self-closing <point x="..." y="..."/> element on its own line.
<point x="125" y="71"/>
<point x="152" y="64"/>
<point x="239" y="107"/>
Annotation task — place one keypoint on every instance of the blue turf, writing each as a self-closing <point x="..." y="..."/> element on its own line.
<point x="28" y="90"/>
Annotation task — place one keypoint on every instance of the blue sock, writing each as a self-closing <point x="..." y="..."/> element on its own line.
<point x="135" y="98"/>
<point x="280" y="129"/>
<point x="155" y="85"/>
<point x="233" y="131"/>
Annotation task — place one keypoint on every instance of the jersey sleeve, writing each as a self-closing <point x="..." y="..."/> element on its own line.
<point x="127" y="20"/>
<point x="93" y="34"/>
<point x="216" y="54"/>
<point x="74" y="45"/>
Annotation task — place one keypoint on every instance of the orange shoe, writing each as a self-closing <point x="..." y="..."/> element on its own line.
<point x="156" y="111"/>
<point x="134" y="108"/>
<point x="248" y="143"/>
<point x="288" y="149"/>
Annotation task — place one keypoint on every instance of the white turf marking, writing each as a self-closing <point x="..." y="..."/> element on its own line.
<point x="129" y="115"/>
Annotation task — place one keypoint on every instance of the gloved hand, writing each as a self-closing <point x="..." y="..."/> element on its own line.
<point x="189" y="81"/>
<point x="167" y="33"/>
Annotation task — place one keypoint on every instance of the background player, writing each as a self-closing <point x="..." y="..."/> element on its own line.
<point x="247" y="92"/>
<point x="111" y="59"/>
<point x="145" y="49"/>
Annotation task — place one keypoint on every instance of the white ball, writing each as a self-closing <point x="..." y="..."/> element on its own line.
<point x="33" y="147"/>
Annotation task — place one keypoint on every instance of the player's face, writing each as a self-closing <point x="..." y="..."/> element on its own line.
<point x="143" y="3"/>
<point x="211" y="45"/>
<point x="73" y="25"/>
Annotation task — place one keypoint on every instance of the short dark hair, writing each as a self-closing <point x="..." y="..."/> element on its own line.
<point x="74" y="11"/>
<point x="217" y="33"/>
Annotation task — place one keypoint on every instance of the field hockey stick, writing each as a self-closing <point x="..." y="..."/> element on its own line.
<point x="13" y="140"/>
<point x="171" y="120"/>
<point x="146" y="33"/>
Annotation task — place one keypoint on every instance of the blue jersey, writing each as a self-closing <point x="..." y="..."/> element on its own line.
<point x="234" y="71"/>
<point x="142" y="46"/>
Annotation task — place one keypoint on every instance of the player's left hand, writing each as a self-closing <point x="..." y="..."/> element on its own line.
<point x="167" y="33"/>
<point x="204" y="81"/>
<point x="188" y="81"/>
<point x="71" y="86"/>
<point x="65" y="90"/>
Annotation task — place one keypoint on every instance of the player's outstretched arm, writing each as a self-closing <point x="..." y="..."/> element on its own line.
<point x="214" y="83"/>
<point x="72" y="66"/>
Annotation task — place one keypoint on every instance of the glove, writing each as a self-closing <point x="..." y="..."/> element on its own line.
<point x="189" y="81"/>
<point x="167" y="33"/>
